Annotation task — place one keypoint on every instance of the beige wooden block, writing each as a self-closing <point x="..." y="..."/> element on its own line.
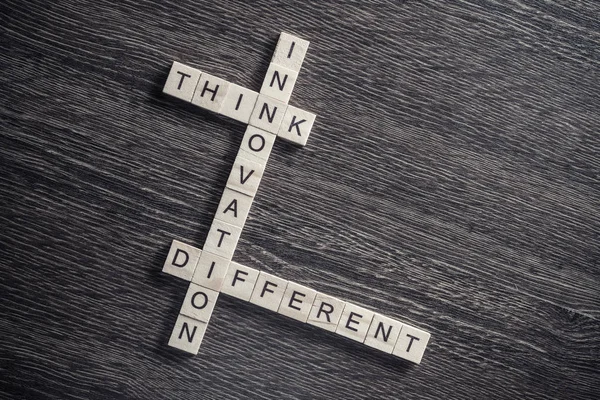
<point x="233" y="207"/>
<point x="411" y="344"/>
<point x="257" y="144"/>
<point x="268" y="291"/>
<point x="199" y="302"/>
<point x="279" y="82"/>
<point x="239" y="103"/>
<point x="326" y="312"/>
<point x="182" y="81"/>
<point x="268" y="113"/>
<point x="181" y="260"/>
<point x="296" y="125"/>
<point x="290" y="51"/>
<point x="354" y="322"/>
<point x="383" y="333"/>
<point x="297" y="301"/>
<point x="222" y="239"/>
<point x="239" y="281"/>
<point x="187" y="334"/>
<point x="210" y="92"/>
<point x="210" y="271"/>
<point x="245" y="175"/>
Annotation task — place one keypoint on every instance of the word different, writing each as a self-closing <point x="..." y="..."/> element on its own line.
<point x="284" y="297"/>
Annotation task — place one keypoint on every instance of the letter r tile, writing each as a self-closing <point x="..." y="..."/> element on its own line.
<point x="326" y="312"/>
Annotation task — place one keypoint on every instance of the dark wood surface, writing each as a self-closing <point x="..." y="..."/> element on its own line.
<point x="452" y="181"/>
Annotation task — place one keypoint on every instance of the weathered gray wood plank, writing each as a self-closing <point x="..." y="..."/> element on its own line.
<point x="451" y="180"/>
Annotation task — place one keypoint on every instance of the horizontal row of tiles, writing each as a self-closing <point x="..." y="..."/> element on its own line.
<point x="267" y="110"/>
<point x="211" y="274"/>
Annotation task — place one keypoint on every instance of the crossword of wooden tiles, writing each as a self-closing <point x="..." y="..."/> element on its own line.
<point x="210" y="271"/>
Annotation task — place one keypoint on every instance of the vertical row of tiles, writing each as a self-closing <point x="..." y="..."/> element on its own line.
<point x="211" y="264"/>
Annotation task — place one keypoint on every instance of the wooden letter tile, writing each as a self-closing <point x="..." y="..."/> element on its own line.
<point x="182" y="81"/>
<point x="233" y="208"/>
<point x="326" y="312"/>
<point x="210" y="92"/>
<point x="239" y="103"/>
<point x="297" y="301"/>
<point x="257" y="144"/>
<point x="187" y="334"/>
<point x="279" y="82"/>
<point x="268" y="291"/>
<point x="239" y="281"/>
<point x="354" y="322"/>
<point x="199" y="303"/>
<point x="245" y="175"/>
<point x="296" y="125"/>
<point x="181" y="260"/>
<point x="411" y="344"/>
<point x="222" y="239"/>
<point x="383" y="333"/>
<point x="290" y="51"/>
<point x="268" y="113"/>
<point x="210" y="271"/>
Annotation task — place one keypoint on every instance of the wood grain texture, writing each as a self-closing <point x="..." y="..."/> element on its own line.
<point x="451" y="180"/>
